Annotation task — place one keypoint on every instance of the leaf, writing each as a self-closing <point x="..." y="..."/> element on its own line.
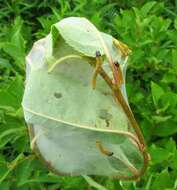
<point x="147" y="7"/>
<point x="10" y="134"/>
<point x="18" y="40"/>
<point x="93" y="183"/>
<point x="159" y="154"/>
<point x="160" y="119"/>
<point x="4" y="63"/>
<point x="166" y="129"/>
<point x="175" y="162"/>
<point x="5" y="185"/>
<point x="156" y="92"/>
<point x="15" y="45"/>
<point x="41" y="179"/>
<point x="56" y="95"/>
<point x="23" y="172"/>
<point x="62" y="105"/>
<point x="15" y="52"/>
<point x="175" y="23"/>
<point x="12" y="95"/>
<point x="81" y="35"/>
<point x="63" y="119"/>
<point x="4" y="176"/>
<point x="174" y="58"/>
<point x="162" y="181"/>
<point x="170" y="98"/>
<point x="155" y="60"/>
<point x="73" y="182"/>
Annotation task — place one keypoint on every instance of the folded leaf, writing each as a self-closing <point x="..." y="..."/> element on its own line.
<point x="74" y="129"/>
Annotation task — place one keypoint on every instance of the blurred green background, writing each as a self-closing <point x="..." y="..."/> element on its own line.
<point x="149" y="28"/>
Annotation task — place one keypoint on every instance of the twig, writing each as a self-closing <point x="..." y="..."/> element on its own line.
<point x="120" y="99"/>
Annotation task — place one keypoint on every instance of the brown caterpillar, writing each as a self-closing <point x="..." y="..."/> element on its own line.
<point x="120" y="76"/>
<point x="97" y="68"/>
<point x="103" y="150"/>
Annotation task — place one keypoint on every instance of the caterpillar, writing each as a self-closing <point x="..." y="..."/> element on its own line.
<point x="120" y="76"/>
<point x="97" y="68"/>
<point x="103" y="150"/>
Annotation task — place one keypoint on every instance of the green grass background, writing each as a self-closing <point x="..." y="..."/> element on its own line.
<point x="150" y="30"/>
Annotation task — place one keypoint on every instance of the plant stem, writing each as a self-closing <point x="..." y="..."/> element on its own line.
<point x="120" y="99"/>
<point x="108" y="55"/>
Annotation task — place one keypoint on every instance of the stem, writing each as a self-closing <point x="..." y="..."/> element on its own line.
<point x="108" y="55"/>
<point x="120" y="99"/>
<point x="97" y="67"/>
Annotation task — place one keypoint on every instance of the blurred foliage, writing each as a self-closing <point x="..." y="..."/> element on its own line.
<point x="150" y="29"/>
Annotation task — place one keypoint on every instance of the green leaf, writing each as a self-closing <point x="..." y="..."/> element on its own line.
<point x="15" y="52"/>
<point x="147" y="7"/>
<point x="162" y="181"/>
<point x="175" y="23"/>
<point x="159" y="154"/>
<point x="10" y="169"/>
<point x="41" y="179"/>
<point x="72" y="182"/>
<point x="24" y="171"/>
<point x="166" y="129"/>
<point x="61" y="103"/>
<point x="175" y="162"/>
<point x="80" y="34"/>
<point x="12" y="95"/>
<point x="4" y="63"/>
<point x="156" y="91"/>
<point x="153" y="42"/>
<point x="93" y="183"/>
<point x="174" y="58"/>
<point x="160" y="119"/>
<point x="8" y="134"/>
<point x="5" y="185"/>
<point x="15" y="45"/>
<point x="61" y="92"/>
<point x="83" y="37"/>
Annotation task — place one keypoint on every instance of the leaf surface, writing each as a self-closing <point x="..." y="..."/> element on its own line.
<point x="67" y="117"/>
